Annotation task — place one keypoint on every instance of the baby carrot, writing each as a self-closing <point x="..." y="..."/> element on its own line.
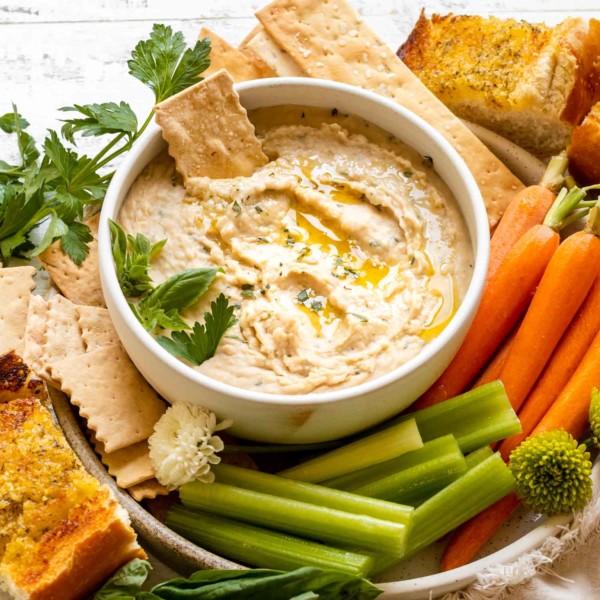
<point x="492" y="371"/>
<point x="526" y="209"/>
<point x="505" y="297"/>
<point x="561" y="366"/>
<point x="565" y="284"/>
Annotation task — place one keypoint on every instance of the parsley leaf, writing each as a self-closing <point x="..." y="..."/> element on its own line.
<point x="7" y="121"/>
<point x="201" y="344"/>
<point x="165" y="65"/>
<point x="132" y="256"/>
<point x="75" y="241"/>
<point x="100" y="119"/>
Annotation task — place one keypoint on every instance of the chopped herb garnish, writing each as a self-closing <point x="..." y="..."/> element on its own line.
<point x="258" y="209"/>
<point x="302" y="296"/>
<point x="262" y="240"/>
<point x="334" y="112"/>
<point x="316" y="305"/>
<point x="236" y="207"/>
<point x="359" y="317"/>
<point x="428" y="161"/>
<point x="304" y="252"/>
<point x="290" y="241"/>
<point x="247" y="286"/>
<point x="248" y="294"/>
<point x="407" y="174"/>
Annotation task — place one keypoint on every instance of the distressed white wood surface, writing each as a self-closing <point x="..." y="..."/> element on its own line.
<point x="55" y="53"/>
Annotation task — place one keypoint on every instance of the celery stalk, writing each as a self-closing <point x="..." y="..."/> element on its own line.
<point x="298" y="518"/>
<point x="478" y="456"/>
<point x="313" y="494"/>
<point x="386" y="444"/>
<point x="414" y="477"/>
<point x="476" y="418"/>
<point x="484" y="484"/>
<point x="261" y="547"/>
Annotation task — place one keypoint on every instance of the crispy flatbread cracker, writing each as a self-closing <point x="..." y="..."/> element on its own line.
<point x="80" y="284"/>
<point x="328" y="40"/>
<point x="34" y="332"/>
<point x="62" y="337"/>
<point x="261" y="44"/>
<point x="96" y="327"/>
<point x="119" y="405"/>
<point x="208" y="130"/>
<point x="16" y="285"/>
<point x="240" y="66"/>
<point x="130" y="465"/>
<point x="147" y="490"/>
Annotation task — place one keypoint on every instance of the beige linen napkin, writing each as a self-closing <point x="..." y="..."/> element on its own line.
<point x="566" y="567"/>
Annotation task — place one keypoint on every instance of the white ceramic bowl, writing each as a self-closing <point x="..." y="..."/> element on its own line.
<point x="309" y="417"/>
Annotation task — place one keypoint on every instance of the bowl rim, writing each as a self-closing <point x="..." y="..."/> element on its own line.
<point x="480" y="248"/>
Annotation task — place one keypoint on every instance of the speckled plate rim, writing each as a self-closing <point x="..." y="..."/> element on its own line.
<point x="186" y="557"/>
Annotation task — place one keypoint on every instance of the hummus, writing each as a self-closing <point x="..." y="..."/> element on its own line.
<point x="344" y="255"/>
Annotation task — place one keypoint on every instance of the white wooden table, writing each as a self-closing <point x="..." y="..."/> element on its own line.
<point x="55" y="53"/>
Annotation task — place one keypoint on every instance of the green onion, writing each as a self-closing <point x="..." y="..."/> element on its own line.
<point x="313" y="494"/>
<point x="411" y="478"/>
<point x="298" y="518"/>
<point x="260" y="547"/>
<point x="476" y="418"/>
<point x="478" y="456"/>
<point x="484" y="484"/>
<point x="386" y="444"/>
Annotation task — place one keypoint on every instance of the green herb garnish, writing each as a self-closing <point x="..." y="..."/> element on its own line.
<point x="56" y="190"/>
<point x="201" y="344"/>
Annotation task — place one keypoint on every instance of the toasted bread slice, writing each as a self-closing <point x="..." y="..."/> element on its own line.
<point x="62" y="533"/>
<point x="525" y="81"/>
<point x="17" y="380"/>
<point x="584" y="150"/>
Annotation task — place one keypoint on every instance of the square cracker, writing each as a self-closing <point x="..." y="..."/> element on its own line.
<point x="78" y="283"/>
<point x="328" y="40"/>
<point x="240" y="66"/>
<point x="119" y="405"/>
<point x="62" y="337"/>
<point x="16" y="285"/>
<point x="130" y="465"/>
<point x="34" y="332"/>
<point x="96" y="327"/>
<point x="148" y="490"/>
<point x="208" y="130"/>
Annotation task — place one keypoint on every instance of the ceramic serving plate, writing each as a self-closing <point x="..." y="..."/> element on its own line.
<point x="414" y="579"/>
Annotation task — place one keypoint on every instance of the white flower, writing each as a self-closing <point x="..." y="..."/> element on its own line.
<point x="183" y="446"/>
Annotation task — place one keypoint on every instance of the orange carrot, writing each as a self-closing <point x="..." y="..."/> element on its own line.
<point x="570" y="411"/>
<point x="526" y="209"/>
<point x="565" y="284"/>
<point x="492" y="371"/>
<point x="506" y="295"/>
<point x="469" y="538"/>
<point x="561" y="366"/>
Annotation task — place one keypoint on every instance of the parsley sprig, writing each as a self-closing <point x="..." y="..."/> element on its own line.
<point x="53" y="186"/>
<point x="160" y="307"/>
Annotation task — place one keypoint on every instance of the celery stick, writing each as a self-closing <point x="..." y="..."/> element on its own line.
<point x="484" y="484"/>
<point x="476" y="418"/>
<point x="415" y="484"/>
<point x="297" y="518"/>
<point x="261" y="547"/>
<point x="376" y="448"/>
<point x="313" y="494"/>
<point x="478" y="456"/>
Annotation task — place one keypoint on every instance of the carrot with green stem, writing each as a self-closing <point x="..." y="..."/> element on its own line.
<point x="570" y="411"/>
<point x="506" y="295"/>
<point x="528" y="208"/>
<point x="566" y="282"/>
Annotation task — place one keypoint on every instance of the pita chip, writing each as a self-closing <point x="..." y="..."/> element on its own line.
<point x="216" y="143"/>
<point x="241" y="67"/>
<point x="78" y="283"/>
<point x="119" y="405"/>
<point x="16" y="286"/>
<point x="328" y="40"/>
<point x="96" y="327"/>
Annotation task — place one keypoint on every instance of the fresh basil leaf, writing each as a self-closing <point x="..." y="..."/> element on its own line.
<point x="183" y="289"/>
<point x="100" y="119"/>
<point x="301" y="584"/>
<point x="202" y="343"/>
<point x="163" y="63"/>
<point x="126" y="583"/>
<point x="75" y="242"/>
